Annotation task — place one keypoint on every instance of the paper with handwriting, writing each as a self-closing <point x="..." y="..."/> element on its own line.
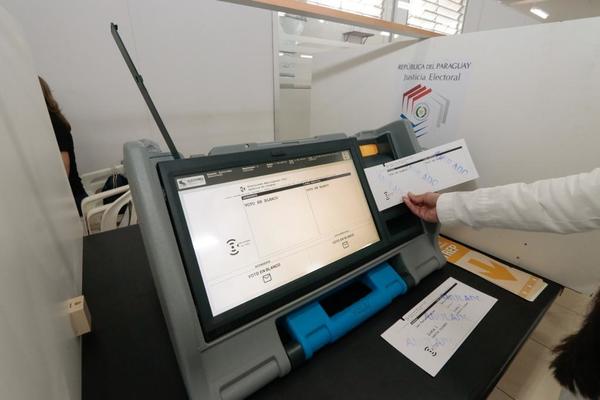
<point x="427" y="171"/>
<point x="431" y="332"/>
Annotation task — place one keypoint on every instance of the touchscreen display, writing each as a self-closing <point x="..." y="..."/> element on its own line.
<point x="258" y="227"/>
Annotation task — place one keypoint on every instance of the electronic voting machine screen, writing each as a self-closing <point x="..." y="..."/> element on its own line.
<point x="259" y="229"/>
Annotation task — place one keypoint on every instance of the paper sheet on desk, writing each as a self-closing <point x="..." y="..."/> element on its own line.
<point x="428" y="171"/>
<point x="434" y="329"/>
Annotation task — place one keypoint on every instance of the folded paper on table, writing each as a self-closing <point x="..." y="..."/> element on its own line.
<point x="434" y="329"/>
<point x="428" y="171"/>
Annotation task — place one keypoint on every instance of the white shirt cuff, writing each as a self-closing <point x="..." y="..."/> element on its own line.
<point x="445" y="209"/>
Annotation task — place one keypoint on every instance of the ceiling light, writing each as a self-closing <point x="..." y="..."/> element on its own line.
<point x="322" y="21"/>
<point x="384" y="33"/>
<point x="305" y="56"/>
<point x="396" y="36"/>
<point x="539" y="12"/>
<point x="281" y="14"/>
<point x="280" y="54"/>
<point x="405" y="5"/>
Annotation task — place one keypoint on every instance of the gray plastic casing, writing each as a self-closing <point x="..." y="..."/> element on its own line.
<point x="242" y="361"/>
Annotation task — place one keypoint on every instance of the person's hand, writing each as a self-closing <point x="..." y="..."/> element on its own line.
<point x="423" y="205"/>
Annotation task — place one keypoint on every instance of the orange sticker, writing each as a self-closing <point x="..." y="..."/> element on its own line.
<point x="451" y="250"/>
<point x="515" y="281"/>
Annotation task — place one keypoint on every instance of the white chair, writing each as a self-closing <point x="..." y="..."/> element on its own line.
<point x="93" y="208"/>
<point x="111" y="219"/>
<point x="94" y="181"/>
<point x="100" y="217"/>
<point x="93" y="219"/>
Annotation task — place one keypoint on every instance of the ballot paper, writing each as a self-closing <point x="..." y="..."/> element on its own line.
<point x="428" y="171"/>
<point x="434" y="329"/>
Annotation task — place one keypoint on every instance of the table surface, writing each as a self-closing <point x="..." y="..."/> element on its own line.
<point x="128" y="355"/>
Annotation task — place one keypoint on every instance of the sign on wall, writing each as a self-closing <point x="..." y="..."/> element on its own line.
<point x="432" y="93"/>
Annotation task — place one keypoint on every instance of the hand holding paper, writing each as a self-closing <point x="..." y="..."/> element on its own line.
<point x="428" y="171"/>
<point x="423" y="206"/>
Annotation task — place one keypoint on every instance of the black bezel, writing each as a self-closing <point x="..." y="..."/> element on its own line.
<point x="215" y="326"/>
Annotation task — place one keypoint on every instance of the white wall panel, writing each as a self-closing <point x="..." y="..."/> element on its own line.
<point x="40" y="238"/>
<point x="483" y="15"/>
<point x="207" y="64"/>
<point x="529" y="111"/>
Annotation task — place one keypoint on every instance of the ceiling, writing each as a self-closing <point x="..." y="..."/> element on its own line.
<point x="558" y="10"/>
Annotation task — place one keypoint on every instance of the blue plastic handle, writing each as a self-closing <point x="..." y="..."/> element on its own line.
<point x="313" y="329"/>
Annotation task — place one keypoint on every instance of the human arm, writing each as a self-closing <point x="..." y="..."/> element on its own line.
<point x="64" y="139"/>
<point x="423" y="205"/>
<point x="561" y="205"/>
<point x="66" y="160"/>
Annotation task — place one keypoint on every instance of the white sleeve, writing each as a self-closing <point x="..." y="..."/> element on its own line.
<point x="562" y="205"/>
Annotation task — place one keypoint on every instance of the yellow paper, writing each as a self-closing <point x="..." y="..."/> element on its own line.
<point x="518" y="282"/>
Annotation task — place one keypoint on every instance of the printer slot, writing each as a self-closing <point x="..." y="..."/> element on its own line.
<point x="342" y="298"/>
<point x="401" y="224"/>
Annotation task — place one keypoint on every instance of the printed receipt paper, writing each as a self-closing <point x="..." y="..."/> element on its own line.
<point x="428" y="171"/>
<point x="434" y="329"/>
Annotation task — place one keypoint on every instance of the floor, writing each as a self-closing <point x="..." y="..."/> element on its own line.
<point x="528" y="377"/>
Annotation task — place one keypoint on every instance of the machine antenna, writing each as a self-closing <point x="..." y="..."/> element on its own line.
<point x="140" y="84"/>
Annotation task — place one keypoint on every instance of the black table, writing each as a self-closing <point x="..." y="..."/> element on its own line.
<point x="129" y="356"/>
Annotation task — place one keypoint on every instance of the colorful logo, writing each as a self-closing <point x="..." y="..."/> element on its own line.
<point x="424" y="109"/>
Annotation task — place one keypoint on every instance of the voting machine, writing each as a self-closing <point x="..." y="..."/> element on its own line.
<point x="264" y="253"/>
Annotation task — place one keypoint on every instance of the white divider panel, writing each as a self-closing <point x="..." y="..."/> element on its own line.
<point x="528" y="107"/>
<point x="40" y="238"/>
<point x="208" y="66"/>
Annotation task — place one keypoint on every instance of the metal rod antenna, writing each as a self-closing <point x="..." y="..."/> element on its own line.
<point x="140" y="84"/>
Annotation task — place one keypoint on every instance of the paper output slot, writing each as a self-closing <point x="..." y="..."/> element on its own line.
<point x="341" y="299"/>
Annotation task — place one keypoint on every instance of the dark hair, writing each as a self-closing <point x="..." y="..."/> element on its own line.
<point x="51" y="103"/>
<point x="577" y="362"/>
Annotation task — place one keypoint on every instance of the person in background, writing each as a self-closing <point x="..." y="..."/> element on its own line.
<point x="62" y="131"/>
<point x="563" y="205"/>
